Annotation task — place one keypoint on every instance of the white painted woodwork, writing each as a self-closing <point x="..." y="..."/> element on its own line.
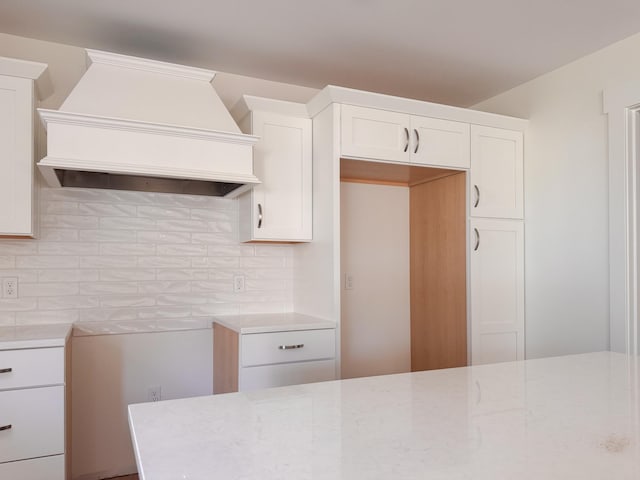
<point x="36" y="416"/>
<point x="438" y="142"/>
<point x="133" y="116"/>
<point x="283" y="162"/>
<point x="497" y="290"/>
<point x="265" y="348"/>
<point x="16" y="152"/>
<point x="497" y="170"/>
<point x="44" y="468"/>
<point x="31" y="367"/>
<point x="281" y="375"/>
<point x="375" y="134"/>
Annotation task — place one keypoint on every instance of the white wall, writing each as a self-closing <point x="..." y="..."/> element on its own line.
<point x="374" y="230"/>
<point x="566" y="198"/>
<point x="110" y="372"/>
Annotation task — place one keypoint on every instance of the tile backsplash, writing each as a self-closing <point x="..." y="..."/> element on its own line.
<point x="114" y="255"/>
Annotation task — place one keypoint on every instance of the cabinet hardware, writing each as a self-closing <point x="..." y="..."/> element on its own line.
<point x="406" y="135"/>
<point x="5" y="427"/>
<point x="290" y="347"/>
<point x="417" y="140"/>
<point x="477" y="239"/>
<point x="475" y="187"/>
<point x="259" y="215"/>
<point x="6" y="370"/>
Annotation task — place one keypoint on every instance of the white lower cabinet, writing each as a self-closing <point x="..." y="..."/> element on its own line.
<point x="32" y="414"/>
<point x="497" y="290"/>
<point x="251" y="361"/>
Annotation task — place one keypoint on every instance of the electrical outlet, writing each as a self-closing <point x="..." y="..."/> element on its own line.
<point x="10" y="287"/>
<point x="348" y="281"/>
<point x="154" y="394"/>
<point x="238" y="283"/>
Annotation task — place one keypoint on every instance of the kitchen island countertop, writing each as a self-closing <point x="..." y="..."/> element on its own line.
<point x="573" y="417"/>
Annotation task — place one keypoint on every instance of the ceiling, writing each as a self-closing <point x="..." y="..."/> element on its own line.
<point x="448" y="51"/>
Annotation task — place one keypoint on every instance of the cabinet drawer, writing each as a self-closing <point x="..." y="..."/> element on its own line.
<point x="36" y="416"/>
<point x="269" y="348"/>
<point x="46" y="468"/>
<point x="31" y="367"/>
<point x="268" y="376"/>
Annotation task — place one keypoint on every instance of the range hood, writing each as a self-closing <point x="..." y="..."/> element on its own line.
<point x="137" y="124"/>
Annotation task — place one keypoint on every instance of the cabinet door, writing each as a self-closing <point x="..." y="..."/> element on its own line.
<point x="16" y="155"/>
<point x="496" y="173"/>
<point x="283" y="374"/>
<point x="281" y="208"/>
<point x="375" y="134"/>
<point x="440" y="142"/>
<point x="497" y="290"/>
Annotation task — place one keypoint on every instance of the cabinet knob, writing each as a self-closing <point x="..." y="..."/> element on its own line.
<point x="477" y="240"/>
<point x="406" y="138"/>
<point x="475" y="187"/>
<point x="5" y="427"/>
<point x="417" y="140"/>
<point x="259" y="215"/>
<point x="6" y="370"/>
<point x="290" y="347"/>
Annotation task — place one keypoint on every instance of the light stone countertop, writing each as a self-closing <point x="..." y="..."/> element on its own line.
<point x="110" y="327"/>
<point x="272" y="322"/>
<point x="572" y="417"/>
<point x="34" y="336"/>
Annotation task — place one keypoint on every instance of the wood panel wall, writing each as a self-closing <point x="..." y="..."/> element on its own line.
<point x="438" y="273"/>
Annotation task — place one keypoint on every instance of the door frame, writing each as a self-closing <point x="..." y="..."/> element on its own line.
<point x="622" y="104"/>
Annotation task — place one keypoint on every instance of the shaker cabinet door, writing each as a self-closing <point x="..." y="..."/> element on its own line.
<point x="439" y="142"/>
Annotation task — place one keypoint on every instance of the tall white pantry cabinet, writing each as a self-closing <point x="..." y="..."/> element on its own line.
<point x="21" y="83"/>
<point x="373" y="138"/>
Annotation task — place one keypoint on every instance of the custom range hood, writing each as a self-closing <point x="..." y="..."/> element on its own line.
<point x="137" y="124"/>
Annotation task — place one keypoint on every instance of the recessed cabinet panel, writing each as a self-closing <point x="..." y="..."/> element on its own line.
<point x="440" y="142"/>
<point x="497" y="290"/>
<point x="280" y="208"/>
<point x="375" y="134"/>
<point x="496" y="173"/>
<point x="16" y="152"/>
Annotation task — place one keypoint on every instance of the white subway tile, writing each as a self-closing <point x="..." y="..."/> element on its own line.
<point x="58" y="208"/>
<point x="7" y="319"/>
<point x="163" y="212"/>
<point x="127" y="249"/>
<point x="58" y="235"/>
<point x="18" y="247"/>
<point x="68" y="248"/>
<point x="127" y="223"/>
<point x="212" y="214"/>
<point x="70" y="194"/>
<point x="47" y="261"/>
<point x="220" y="262"/>
<point x="68" y="221"/>
<point x="221" y="227"/>
<point x="67" y="275"/>
<point x="230" y="250"/>
<point x="270" y="273"/>
<point x="262" y="262"/>
<point x="187" y="299"/>
<point x="127" y="301"/>
<point x="108" y="315"/>
<point x="18" y="304"/>
<point x="165" y="287"/>
<point x="274" y="251"/>
<point x="164" y="237"/>
<point x="68" y="303"/>
<point x="182" y="274"/>
<point x="108" y="288"/>
<point x="264" y="307"/>
<point x="47" y="289"/>
<point x="123" y="236"/>
<point x="165" y="311"/>
<point x="183" y="225"/>
<point x="107" y="210"/>
<point x="108" y="261"/>
<point x="164" y="262"/>
<point x="7" y="261"/>
<point x="46" y="316"/>
<point x="183" y="250"/>
<point x="22" y="275"/>
<point x="214" y="238"/>
<point x="221" y="274"/>
<point x="209" y="309"/>
<point x="128" y="275"/>
<point x="212" y="286"/>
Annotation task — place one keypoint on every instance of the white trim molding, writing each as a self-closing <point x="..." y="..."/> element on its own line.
<point x="622" y="104"/>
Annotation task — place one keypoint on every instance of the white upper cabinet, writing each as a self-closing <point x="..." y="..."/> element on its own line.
<point x="280" y="208"/>
<point x="496" y="173"/>
<point x="17" y="107"/>
<point x="397" y="137"/>
<point x="497" y="290"/>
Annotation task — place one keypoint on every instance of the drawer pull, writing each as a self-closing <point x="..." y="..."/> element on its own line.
<point x="5" y="427"/>
<point x="6" y="370"/>
<point x="290" y="347"/>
